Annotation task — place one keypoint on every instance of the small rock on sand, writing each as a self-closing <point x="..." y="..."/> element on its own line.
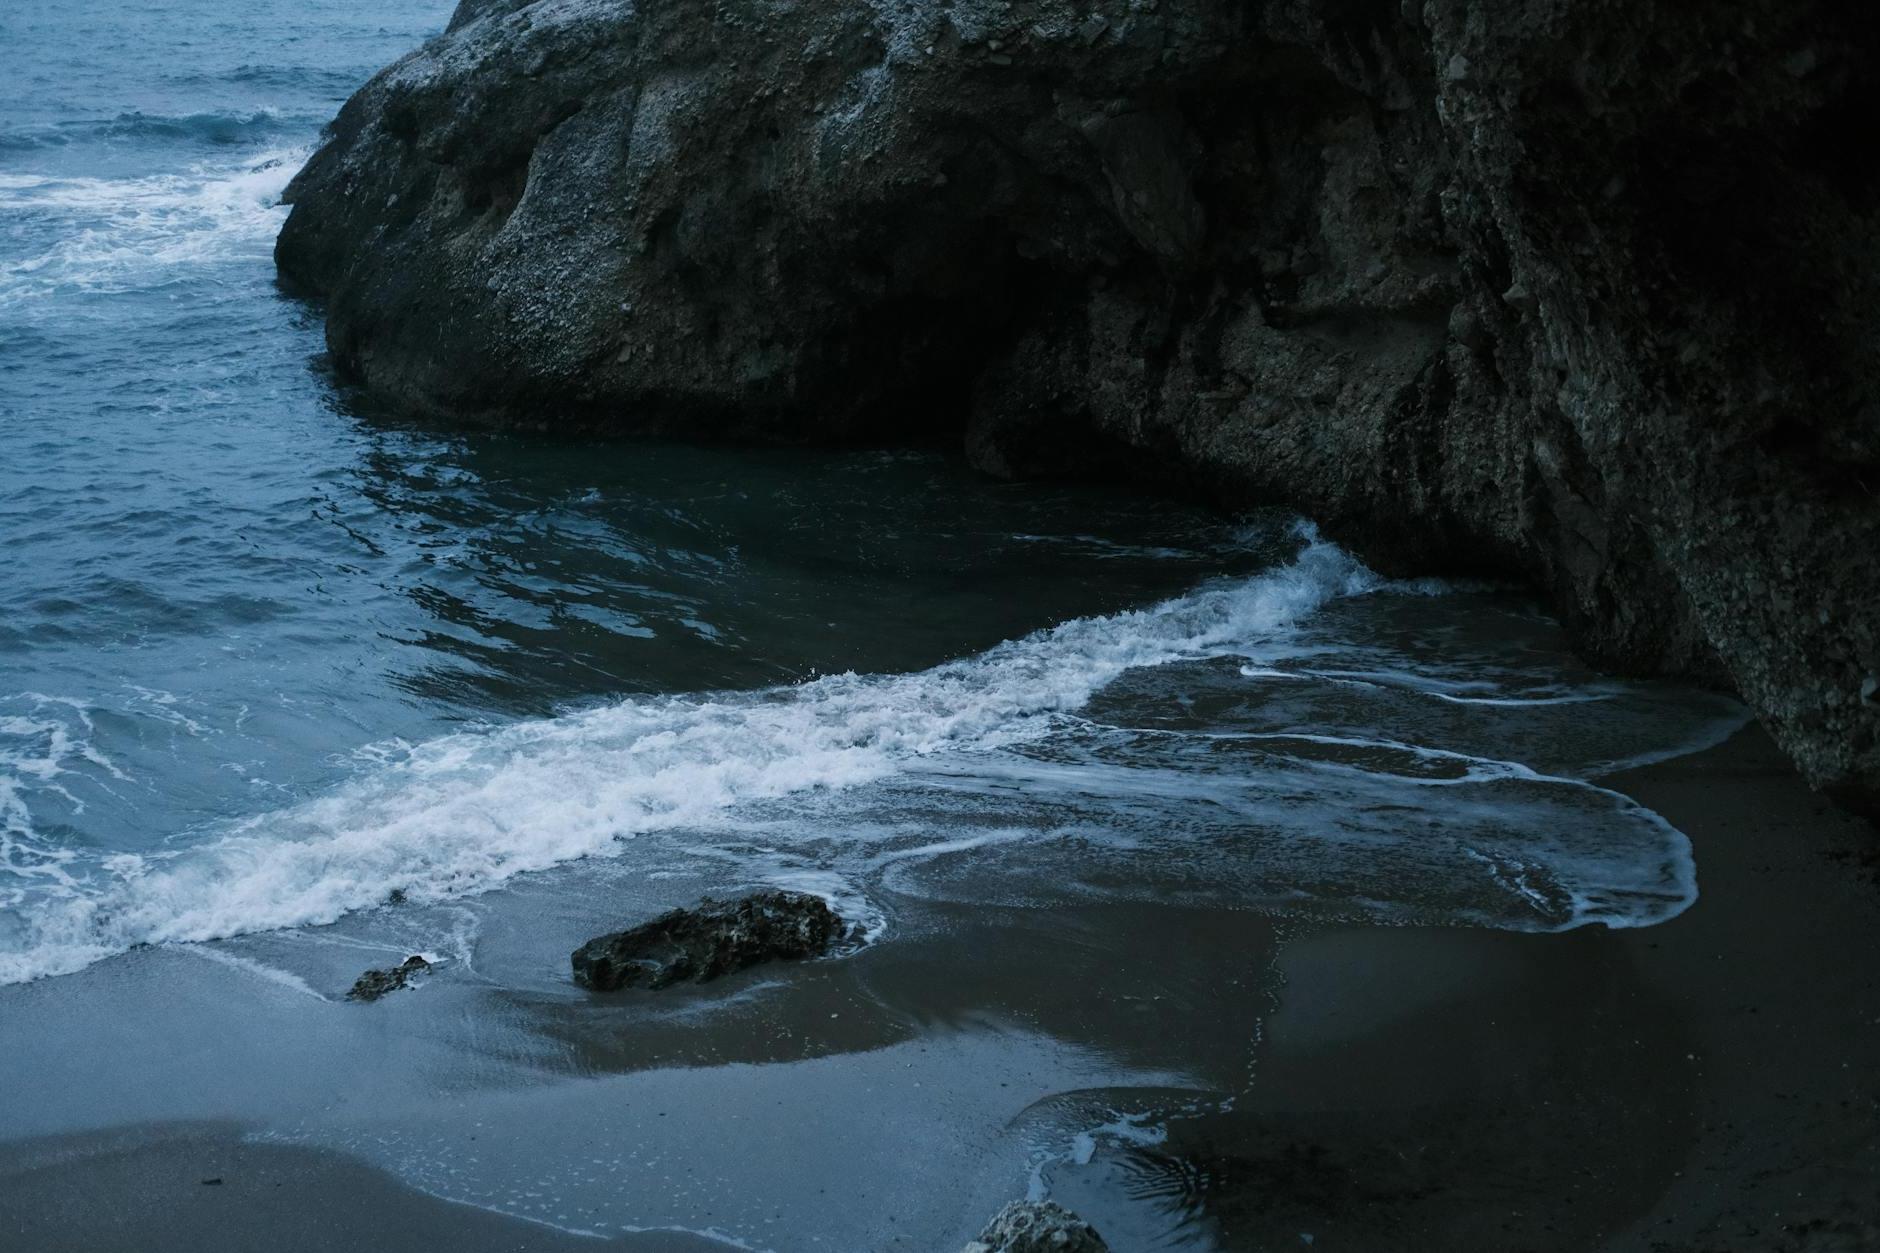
<point x="373" y="984"/>
<point x="717" y="938"/>
<point x="1037" y="1227"/>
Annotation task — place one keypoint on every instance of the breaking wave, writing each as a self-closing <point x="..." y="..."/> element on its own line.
<point x="1017" y="755"/>
<point x="110" y="235"/>
<point x="466" y="812"/>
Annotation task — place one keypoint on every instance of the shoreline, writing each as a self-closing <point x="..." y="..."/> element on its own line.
<point x="1221" y="1077"/>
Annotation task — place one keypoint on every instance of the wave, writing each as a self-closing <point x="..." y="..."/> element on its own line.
<point x="467" y="812"/>
<point x="1330" y="826"/>
<point x="1257" y="743"/>
<point x="108" y="235"/>
<point x="49" y="738"/>
<point x="281" y="80"/>
<point x="212" y="128"/>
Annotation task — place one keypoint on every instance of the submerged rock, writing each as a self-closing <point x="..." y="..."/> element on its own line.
<point x="1037" y="1227"/>
<point x="717" y="938"/>
<point x="373" y="984"/>
<point x="1551" y="289"/>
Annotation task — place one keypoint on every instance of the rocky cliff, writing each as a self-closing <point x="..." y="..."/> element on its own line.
<point x="1581" y="291"/>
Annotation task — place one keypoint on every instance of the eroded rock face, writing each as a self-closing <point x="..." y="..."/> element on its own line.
<point x="1568" y="290"/>
<point x="1037" y="1227"/>
<point x="717" y="938"/>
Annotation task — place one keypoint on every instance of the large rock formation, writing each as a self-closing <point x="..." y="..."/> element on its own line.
<point x="1582" y="291"/>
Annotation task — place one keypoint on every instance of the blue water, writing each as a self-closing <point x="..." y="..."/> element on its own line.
<point x="266" y="657"/>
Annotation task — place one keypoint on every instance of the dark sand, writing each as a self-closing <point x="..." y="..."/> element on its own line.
<point x="1711" y="1084"/>
<point x="185" y="1186"/>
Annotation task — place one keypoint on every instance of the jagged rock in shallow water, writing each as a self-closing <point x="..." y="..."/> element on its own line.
<point x="1564" y="290"/>
<point x="717" y="938"/>
<point x="373" y="984"/>
<point x="1037" y="1227"/>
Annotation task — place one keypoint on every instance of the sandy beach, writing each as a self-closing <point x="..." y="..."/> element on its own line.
<point x="1204" y="1078"/>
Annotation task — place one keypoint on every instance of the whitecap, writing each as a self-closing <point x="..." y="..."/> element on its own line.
<point x="112" y="235"/>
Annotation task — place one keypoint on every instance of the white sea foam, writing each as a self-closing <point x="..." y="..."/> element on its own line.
<point x="466" y="812"/>
<point x="43" y="739"/>
<point x="261" y="970"/>
<point x="107" y="235"/>
<point x="995" y="778"/>
<point x="1455" y="691"/>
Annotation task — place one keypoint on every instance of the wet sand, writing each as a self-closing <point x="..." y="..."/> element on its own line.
<point x="183" y="1186"/>
<point x="1709" y="1084"/>
<point x="1192" y="1078"/>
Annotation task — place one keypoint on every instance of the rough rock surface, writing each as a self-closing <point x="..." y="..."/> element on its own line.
<point x="1579" y="291"/>
<point x="1037" y="1227"/>
<point x="717" y="938"/>
<point x="373" y="984"/>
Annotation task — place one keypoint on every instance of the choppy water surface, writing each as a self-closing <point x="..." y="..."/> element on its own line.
<point x="265" y="659"/>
